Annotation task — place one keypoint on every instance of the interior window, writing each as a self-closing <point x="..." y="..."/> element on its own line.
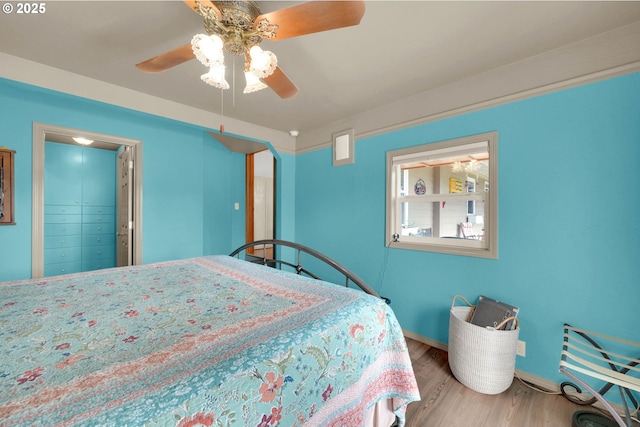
<point x="442" y="197"/>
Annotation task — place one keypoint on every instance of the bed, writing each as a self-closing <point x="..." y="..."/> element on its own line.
<point x="212" y="341"/>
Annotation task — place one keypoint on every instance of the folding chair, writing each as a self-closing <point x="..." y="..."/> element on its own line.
<point x="582" y="354"/>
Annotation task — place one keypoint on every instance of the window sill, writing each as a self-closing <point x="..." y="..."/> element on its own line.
<point x="466" y="247"/>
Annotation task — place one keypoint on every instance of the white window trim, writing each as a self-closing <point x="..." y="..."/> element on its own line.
<point x="488" y="247"/>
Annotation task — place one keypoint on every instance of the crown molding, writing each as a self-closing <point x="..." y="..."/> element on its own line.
<point x="600" y="57"/>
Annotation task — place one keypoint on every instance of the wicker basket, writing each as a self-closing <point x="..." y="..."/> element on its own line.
<point x="482" y="359"/>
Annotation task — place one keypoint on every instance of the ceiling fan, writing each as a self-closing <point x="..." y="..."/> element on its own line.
<point x="238" y="27"/>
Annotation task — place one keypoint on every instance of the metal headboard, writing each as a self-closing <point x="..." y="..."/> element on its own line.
<point x="349" y="276"/>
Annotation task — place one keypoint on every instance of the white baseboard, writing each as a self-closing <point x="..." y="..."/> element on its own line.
<point x="539" y="382"/>
<point x="425" y="340"/>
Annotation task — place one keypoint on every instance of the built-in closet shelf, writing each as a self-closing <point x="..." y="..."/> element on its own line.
<point x="79" y="210"/>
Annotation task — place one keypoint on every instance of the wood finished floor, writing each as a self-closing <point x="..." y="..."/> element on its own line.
<point x="447" y="403"/>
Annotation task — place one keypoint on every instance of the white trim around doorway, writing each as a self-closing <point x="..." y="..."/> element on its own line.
<point x="44" y="132"/>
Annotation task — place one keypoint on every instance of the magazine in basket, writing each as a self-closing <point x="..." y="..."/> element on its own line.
<point x="490" y="312"/>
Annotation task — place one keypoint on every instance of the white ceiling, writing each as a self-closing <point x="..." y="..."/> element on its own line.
<point x="398" y="50"/>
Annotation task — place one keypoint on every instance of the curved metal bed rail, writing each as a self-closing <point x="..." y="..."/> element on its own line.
<point x="349" y="276"/>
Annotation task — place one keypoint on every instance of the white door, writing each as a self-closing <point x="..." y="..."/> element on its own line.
<point x="263" y="208"/>
<point x="124" y="252"/>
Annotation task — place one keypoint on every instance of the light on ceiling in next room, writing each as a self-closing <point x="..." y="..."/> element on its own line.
<point x="82" y="141"/>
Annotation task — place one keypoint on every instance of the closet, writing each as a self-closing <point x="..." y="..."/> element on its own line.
<point x="79" y="208"/>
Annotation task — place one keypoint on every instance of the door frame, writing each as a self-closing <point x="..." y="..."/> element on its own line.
<point x="249" y="202"/>
<point x="43" y="132"/>
<point x="124" y="155"/>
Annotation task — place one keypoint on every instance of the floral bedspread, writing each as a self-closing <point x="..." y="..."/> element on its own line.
<point x="211" y="341"/>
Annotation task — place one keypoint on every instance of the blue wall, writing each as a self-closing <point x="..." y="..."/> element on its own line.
<point x="190" y="181"/>
<point x="568" y="239"/>
<point x="569" y="243"/>
<point x="226" y="183"/>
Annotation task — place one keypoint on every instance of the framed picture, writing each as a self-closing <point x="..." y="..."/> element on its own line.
<point x="455" y="185"/>
<point x="6" y="187"/>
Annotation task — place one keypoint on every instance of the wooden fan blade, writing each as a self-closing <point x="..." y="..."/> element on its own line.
<point x="313" y="17"/>
<point x="167" y="60"/>
<point x="193" y="4"/>
<point x="280" y="84"/>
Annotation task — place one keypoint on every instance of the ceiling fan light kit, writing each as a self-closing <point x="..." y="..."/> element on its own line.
<point x="254" y="84"/>
<point x="207" y="49"/>
<point x="238" y="27"/>
<point x="215" y="76"/>
<point x="263" y="62"/>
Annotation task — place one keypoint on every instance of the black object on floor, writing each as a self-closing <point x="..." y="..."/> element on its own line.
<point x="591" y="419"/>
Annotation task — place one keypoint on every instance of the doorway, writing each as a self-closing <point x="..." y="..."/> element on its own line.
<point x="260" y="193"/>
<point x="133" y="148"/>
<point x="260" y="153"/>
